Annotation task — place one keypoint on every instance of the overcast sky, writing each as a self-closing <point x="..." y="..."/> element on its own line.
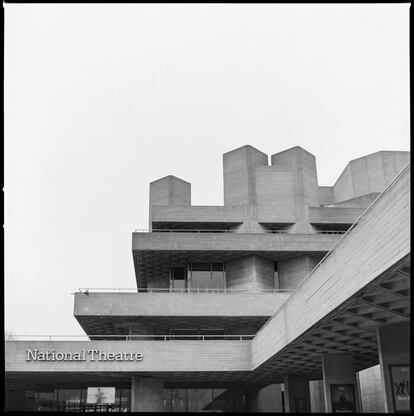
<point x="102" y="99"/>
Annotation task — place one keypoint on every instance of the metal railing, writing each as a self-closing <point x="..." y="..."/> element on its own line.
<point x="88" y="290"/>
<point x="191" y="230"/>
<point x="194" y="230"/>
<point x="130" y="337"/>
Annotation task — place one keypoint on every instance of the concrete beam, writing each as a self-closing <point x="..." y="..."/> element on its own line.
<point x="234" y="242"/>
<point x="199" y="214"/>
<point x="177" y="304"/>
<point x="333" y="215"/>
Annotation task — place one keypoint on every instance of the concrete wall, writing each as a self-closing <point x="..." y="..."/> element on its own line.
<point x="161" y="280"/>
<point x="384" y="232"/>
<point x="334" y="215"/>
<point x="363" y="201"/>
<point x="270" y="399"/>
<point x="369" y="174"/>
<point x="158" y="356"/>
<point x="239" y="170"/>
<point x="250" y="272"/>
<point x="325" y="195"/>
<point x="275" y="194"/>
<point x="232" y="242"/>
<point x="225" y="214"/>
<point x="176" y="304"/>
<point x="170" y="191"/>
<point x="293" y="270"/>
<point x="371" y="390"/>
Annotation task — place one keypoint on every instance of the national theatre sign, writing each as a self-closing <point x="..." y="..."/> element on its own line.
<point x="82" y="355"/>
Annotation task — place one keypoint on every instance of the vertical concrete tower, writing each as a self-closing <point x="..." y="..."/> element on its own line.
<point x="239" y="178"/>
<point x="302" y="166"/>
<point x="169" y="191"/>
<point x="240" y="188"/>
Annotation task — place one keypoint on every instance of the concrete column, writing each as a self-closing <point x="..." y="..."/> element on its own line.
<point x="393" y="349"/>
<point x="250" y="272"/>
<point x="372" y="392"/>
<point x="317" y="396"/>
<point x="292" y="271"/>
<point x="339" y="369"/>
<point x="147" y="394"/>
<point x="297" y="394"/>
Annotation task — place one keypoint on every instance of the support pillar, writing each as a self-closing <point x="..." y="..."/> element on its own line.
<point x="147" y="394"/>
<point x="394" y="350"/>
<point x="297" y="394"/>
<point x="253" y="400"/>
<point x="339" y="372"/>
<point x="317" y="396"/>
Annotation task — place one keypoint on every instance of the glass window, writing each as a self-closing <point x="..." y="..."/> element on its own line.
<point x="30" y="401"/>
<point x="207" y="275"/>
<point x="199" y="400"/>
<point x="200" y="279"/>
<point x="221" y="400"/>
<point x="179" y="277"/>
<point x="179" y="400"/>
<point x="69" y="400"/>
<point x="46" y="402"/>
<point x="217" y="280"/>
<point x="167" y="400"/>
<point x="125" y="403"/>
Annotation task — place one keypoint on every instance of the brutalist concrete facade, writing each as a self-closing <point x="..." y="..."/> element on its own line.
<point x="282" y="299"/>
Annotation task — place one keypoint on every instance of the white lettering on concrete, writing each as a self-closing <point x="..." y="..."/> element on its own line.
<point x="83" y="355"/>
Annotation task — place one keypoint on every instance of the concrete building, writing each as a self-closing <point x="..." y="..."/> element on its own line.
<point x="291" y="297"/>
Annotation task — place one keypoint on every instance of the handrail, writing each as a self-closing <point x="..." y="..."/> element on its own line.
<point x="193" y="230"/>
<point x="88" y="290"/>
<point x="133" y="337"/>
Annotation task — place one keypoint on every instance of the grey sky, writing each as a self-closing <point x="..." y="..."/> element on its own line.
<point x="102" y="99"/>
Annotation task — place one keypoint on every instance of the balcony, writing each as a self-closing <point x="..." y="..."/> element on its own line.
<point x="117" y="312"/>
<point x="155" y="252"/>
<point x="230" y="241"/>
